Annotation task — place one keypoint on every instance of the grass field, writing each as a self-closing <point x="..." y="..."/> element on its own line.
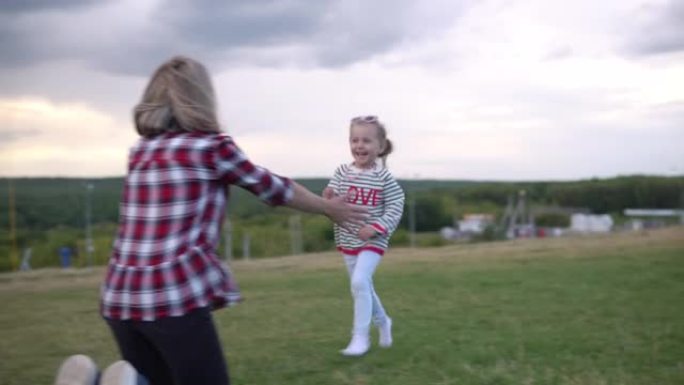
<point x="587" y="310"/>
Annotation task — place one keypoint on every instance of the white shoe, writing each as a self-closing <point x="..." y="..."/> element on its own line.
<point x="358" y="345"/>
<point x="77" y="370"/>
<point x="385" y="331"/>
<point x="119" y="373"/>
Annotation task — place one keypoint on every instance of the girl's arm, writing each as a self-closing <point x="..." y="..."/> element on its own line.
<point x="394" y="208"/>
<point x="333" y="186"/>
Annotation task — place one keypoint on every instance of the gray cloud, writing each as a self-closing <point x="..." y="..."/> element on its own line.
<point x="220" y="24"/>
<point x="559" y="52"/>
<point x="13" y="54"/>
<point x="8" y="136"/>
<point x="663" y="32"/>
<point x="273" y="33"/>
<point x="29" y="38"/>
<point x="19" y="6"/>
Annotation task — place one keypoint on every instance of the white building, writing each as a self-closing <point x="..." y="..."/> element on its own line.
<point x="475" y="223"/>
<point x="591" y="223"/>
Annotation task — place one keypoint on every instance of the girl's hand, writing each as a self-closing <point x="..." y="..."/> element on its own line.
<point x="328" y="193"/>
<point x="367" y="232"/>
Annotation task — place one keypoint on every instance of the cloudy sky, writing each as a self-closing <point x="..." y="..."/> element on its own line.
<point x="488" y="89"/>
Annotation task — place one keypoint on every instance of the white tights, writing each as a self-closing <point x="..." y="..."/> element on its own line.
<point x="367" y="305"/>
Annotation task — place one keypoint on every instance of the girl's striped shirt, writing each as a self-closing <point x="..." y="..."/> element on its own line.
<point x="377" y="190"/>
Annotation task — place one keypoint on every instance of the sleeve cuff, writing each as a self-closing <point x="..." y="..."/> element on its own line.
<point x="379" y="228"/>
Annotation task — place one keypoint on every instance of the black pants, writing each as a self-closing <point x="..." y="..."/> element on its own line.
<point x="174" y="350"/>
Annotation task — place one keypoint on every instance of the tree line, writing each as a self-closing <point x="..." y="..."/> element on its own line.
<point x="44" y="203"/>
<point x="51" y="212"/>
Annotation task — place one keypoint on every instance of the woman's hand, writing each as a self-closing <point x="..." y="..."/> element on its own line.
<point x="335" y="208"/>
<point x="343" y="213"/>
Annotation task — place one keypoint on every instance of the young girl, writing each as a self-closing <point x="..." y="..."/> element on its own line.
<point x="164" y="276"/>
<point x="366" y="182"/>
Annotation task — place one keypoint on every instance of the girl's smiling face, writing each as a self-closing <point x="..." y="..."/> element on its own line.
<point x="365" y="145"/>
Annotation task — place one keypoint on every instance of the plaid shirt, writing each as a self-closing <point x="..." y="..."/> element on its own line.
<point x="163" y="261"/>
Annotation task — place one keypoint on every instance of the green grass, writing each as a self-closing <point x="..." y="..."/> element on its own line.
<point x="594" y="310"/>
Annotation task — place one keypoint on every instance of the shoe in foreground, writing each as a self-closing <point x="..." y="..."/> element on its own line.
<point x="358" y="346"/>
<point x="77" y="370"/>
<point x="385" y="332"/>
<point x="120" y="373"/>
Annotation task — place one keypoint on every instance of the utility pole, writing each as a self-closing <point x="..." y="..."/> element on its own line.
<point x="516" y="217"/>
<point x="505" y="223"/>
<point x="681" y="204"/>
<point x="412" y="220"/>
<point x="245" y="246"/>
<point x="296" y="234"/>
<point x="13" y="254"/>
<point x="88" y="218"/>
<point x="228" y="244"/>
<point x="412" y="212"/>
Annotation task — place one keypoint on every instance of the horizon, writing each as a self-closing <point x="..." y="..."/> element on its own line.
<point x="122" y="176"/>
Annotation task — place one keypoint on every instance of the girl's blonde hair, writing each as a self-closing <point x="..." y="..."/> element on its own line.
<point x="179" y="97"/>
<point x="371" y="120"/>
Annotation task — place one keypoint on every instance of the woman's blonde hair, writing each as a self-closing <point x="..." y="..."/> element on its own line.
<point x="372" y="120"/>
<point x="179" y="97"/>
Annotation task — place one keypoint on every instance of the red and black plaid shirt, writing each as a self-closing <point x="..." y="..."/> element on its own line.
<point x="164" y="260"/>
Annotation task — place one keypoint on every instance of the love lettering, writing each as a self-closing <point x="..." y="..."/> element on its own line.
<point x="367" y="196"/>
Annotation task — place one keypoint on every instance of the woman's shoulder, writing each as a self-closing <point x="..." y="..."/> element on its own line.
<point x="215" y="136"/>
<point x="183" y="141"/>
<point x="185" y="135"/>
<point x="216" y="140"/>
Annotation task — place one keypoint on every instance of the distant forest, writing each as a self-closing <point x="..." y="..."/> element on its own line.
<point x="43" y="203"/>
<point x="50" y="213"/>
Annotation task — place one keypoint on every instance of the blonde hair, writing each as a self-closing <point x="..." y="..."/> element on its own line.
<point x="179" y="97"/>
<point x="371" y="120"/>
